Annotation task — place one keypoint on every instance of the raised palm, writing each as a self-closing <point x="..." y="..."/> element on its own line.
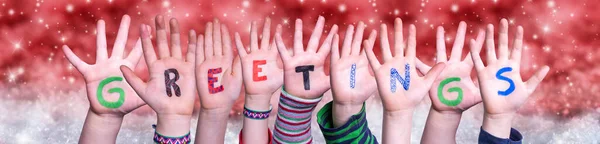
<point x="351" y="81"/>
<point x="261" y="74"/>
<point x="406" y="89"/>
<point x="107" y="91"/>
<point x="500" y="81"/>
<point x="453" y="90"/>
<point x="219" y="82"/>
<point x="306" y="61"/>
<point x="170" y="89"/>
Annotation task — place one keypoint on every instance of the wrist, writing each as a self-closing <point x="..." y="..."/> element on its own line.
<point x="343" y="112"/>
<point x="498" y="125"/>
<point x="398" y="114"/>
<point x="260" y="102"/>
<point x="173" y="125"/>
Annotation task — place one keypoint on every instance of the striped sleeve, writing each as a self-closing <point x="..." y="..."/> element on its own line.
<point x="293" y="119"/>
<point x="355" y="131"/>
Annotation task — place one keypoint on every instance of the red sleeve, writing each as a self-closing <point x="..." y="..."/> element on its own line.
<point x="268" y="133"/>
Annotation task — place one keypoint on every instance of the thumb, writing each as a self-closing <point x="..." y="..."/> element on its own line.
<point x="434" y="73"/>
<point x="533" y="82"/>
<point x="134" y="81"/>
<point x="237" y="69"/>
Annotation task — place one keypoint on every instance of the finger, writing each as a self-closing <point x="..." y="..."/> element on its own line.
<point x="161" y="37"/>
<point x="121" y="41"/>
<point x="489" y="44"/>
<point x="371" y="38"/>
<point x="357" y="40"/>
<point x="147" y="47"/>
<point x="136" y="54"/>
<point x="459" y="42"/>
<point x="434" y="73"/>
<point x="217" y="39"/>
<point x="441" y="46"/>
<point x="191" y="51"/>
<point x="533" y="82"/>
<point x="313" y="42"/>
<point x="253" y="37"/>
<point x="468" y="60"/>
<point x="475" y="49"/>
<point x="503" y="40"/>
<point x="422" y="67"/>
<point x="227" y="50"/>
<point x="240" y="46"/>
<point x="518" y="45"/>
<point x="412" y="44"/>
<point x="371" y="56"/>
<point x="298" y="46"/>
<point x="175" y="39"/>
<point x="266" y="35"/>
<point x="335" y="51"/>
<point x="78" y="63"/>
<point x="326" y="46"/>
<point x="281" y="48"/>
<point x="347" y="45"/>
<point x="208" y="41"/>
<point x="199" y="58"/>
<point x="385" y="44"/>
<point x="136" y="83"/>
<point x="398" y="37"/>
<point x="101" y="52"/>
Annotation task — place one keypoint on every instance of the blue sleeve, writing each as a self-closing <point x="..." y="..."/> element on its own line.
<point x="487" y="138"/>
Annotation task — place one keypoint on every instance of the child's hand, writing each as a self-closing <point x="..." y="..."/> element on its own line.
<point x="500" y="81"/>
<point x="351" y="82"/>
<point x="170" y="90"/>
<point x="453" y="91"/>
<point x="400" y="87"/>
<point x="304" y="74"/>
<point x="108" y="92"/>
<point x="219" y="82"/>
<point x="262" y="76"/>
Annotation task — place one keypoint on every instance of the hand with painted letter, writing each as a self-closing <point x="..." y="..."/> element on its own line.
<point x="400" y="87"/>
<point x="170" y="90"/>
<point x="452" y="92"/>
<point x="351" y="82"/>
<point x="502" y="88"/>
<point x="218" y="80"/>
<point x="109" y="94"/>
<point x="304" y="71"/>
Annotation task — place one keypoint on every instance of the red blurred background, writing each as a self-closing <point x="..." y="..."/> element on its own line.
<point x="562" y="34"/>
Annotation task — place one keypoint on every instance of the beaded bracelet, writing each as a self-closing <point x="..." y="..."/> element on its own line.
<point x="161" y="139"/>
<point x="259" y="115"/>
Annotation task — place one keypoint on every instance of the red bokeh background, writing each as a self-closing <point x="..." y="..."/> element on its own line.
<point x="562" y="34"/>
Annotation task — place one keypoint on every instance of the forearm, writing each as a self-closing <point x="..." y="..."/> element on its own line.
<point x="441" y="127"/>
<point x="343" y="112"/>
<point x="256" y="130"/>
<point x="498" y="125"/>
<point x="355" y="130"/>
<point x="397" y="126"/>
<point x="293" y="119"/>
<point x="102" y="128"/>
<point x="212" y="125"/>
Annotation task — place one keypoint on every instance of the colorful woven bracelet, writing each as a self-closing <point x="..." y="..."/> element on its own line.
<point x="259" y="115"/>
<point x="161" y="139"/>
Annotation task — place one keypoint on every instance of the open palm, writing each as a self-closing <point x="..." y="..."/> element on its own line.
<point x="107" y="91"/>
<point x="270" y="77"/>
<point x="178" y="97"/>
<point x="453" y="90"/>
<point x="500" y="81"/>
<point x="308" y="60"/>
<point x="398" y="95"/>
<point x="215" y="60"/>
<point x="351" y="81"/>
